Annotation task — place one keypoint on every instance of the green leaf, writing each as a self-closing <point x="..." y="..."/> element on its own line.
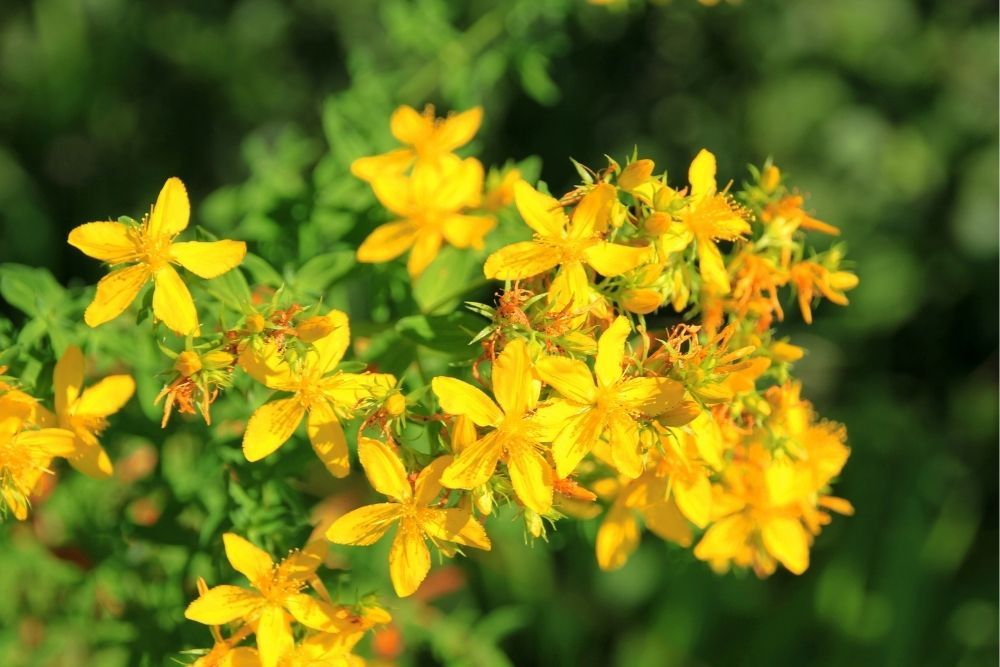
<point x="449" y="333"/>
<point x="321" y="271"/>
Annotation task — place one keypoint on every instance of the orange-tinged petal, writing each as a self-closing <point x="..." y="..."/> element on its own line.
<point x="475" y="464"/>
<point x="467" y="231"/>
<point x="530" y="475"/>
<point x="375" y="166"/>
<point x="590" y="216"/>
<point x="208" y="259"/>
<point x="387" y="242"/>
<point x="518" y="261"/>
<point x="106" y="397"/>
<point x="787" y="540"/>
<point x="365" y="525"/>
<point x="326" y="436"/>
<point x="664" y="519"/>
<point x="576" y="439"/>
<point x="461" y="398"/>
<point x="514" y="383"/>
<point x="455" y="525"/>
<point x="246" y="558"/>
<point x="172" y="302"/>
<point x="541" y="212"/>
<point x="274" y="635"/>
<point x="650" y="396"/>
<point x="115" y="292"/>
<point x="409" y="126"/>
<point x="409" y="559"/>
<point x="67" y="379"/>
<point x="570" y="377"/>
<point x="223" y="604"/>
<point x="623" y="438"/>
<point x="384" y="470"/>
<point x="701" y="174"/>
<point x="611" y="352"/>
<point x="457" y="129"/>
<point x="172" y="210"/>
<point x="425" y="250"/>
<point x="107" y="241"/>
<point x="270" y="426"/>
<point x="617" y="538"/>
<point x="612" y="259"/>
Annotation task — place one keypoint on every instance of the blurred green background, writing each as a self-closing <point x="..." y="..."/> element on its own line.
<point x="885" y="113"/>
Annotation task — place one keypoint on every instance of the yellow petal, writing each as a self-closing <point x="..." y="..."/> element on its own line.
<point x="590" y="216"/>
<point x="650" y="396"/>
<point x="461" y="398"/>
<point x="246" y="558"/>
<point x="223" y="604"/>
<point x="530" y="475"/>
<point x="475" y="464"/>
<point x="448" y="185"/>
<point x="467" y="231"/>
<point x="46" y="442"/>
<point x="67" y="380"/>
<point x="570" y="290"/>
<point x="115" y="292"/>
<point x="409" y="559"/>
<point x="514" y="383"/>
<point x="787" y="540"/>
<point x="611" y="259"/>
<point x="664" y="519"/>
<point x="701" y="174"/>
<point x="270" y="426"/>
<point x="208" y="259"/>
<point x="313" y="613"/>
<point x="455" y="525"/>
<point x="457" y="129"/>
<point x="301" y="565"/>
<point x="694" y="499"/>
<point x="425" y="249"/>
<point x="107" y="241"/>
<point x="265" y="364"/>
<point x="387" y="242"/>
<point x="623" y="438"/>
<point x="91" y="459"/>
<point x="636" y="174"/>
<point x="393" y="162"/>
<point x="326" y="436"/>
<point x="172" y="210"/>
<point x="611" y="352"/>
<point x="576" y="439"/>
<point x="428" y="485"/>
<point x="410" y="126"/>
<point x="541" y="212"/>
<point x="396" y="193"/>
<point x="712" y="267"/>
<point x="519" y="261"/>
<point x="708" y="439"/>
<point x="365" y="525"/>
<point x="274" y="635"/>
<point x="570" y="377"/>
<point x="724" y="539"/>
<point x="384" y="470"/>
<point x="106" y="397"/>
<point x="172" y="302"/>
<point x="617" y="538"/>
<point x="330" y="349"/>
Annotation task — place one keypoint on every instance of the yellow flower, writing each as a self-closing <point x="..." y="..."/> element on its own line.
<point x="568" y="243"/>
<point x="85" y="411"/>
<point x="414" y="507"/>
<point x="276" y="597"/>
<point x="612" y="407"/>
<point x="516" y="436"/>
<point x="149" y="250"/>
<point x="429" y="204"/>
<point x="809" y="277"/>
<point x="429" y="139"/>
<point x="25" y="453"/>
<point x="707" y="218"/>
<point x="325" y="397"/>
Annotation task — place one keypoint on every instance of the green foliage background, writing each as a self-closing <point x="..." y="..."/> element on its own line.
<point x="884" y="112"/>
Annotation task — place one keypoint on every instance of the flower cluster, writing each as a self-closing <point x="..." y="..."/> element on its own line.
<point x="629" y="370"/>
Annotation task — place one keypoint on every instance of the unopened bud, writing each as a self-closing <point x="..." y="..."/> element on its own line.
<point x="657" y="223"/>
<point x="395" y="405"/>
<point x="641" y="301"/>
<point x="314" y="328"/>
<point x="187" y="363"/>
<point x="255" y="323"/>
<point x="635" y="174"/>
<point x="770" y="179"/>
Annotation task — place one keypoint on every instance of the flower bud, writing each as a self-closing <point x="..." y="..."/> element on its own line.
<point x="641" y="301"/>
<point x="770" y="179"/>
<point x="395" y="405"/>
<point x="663" y="198"/>
<point x="782" y="351"/>
<point x="187" y="363"/>
<point x="635" y="174"/>
<point x="657" y="223"/>
<point x="255" y="323"/>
